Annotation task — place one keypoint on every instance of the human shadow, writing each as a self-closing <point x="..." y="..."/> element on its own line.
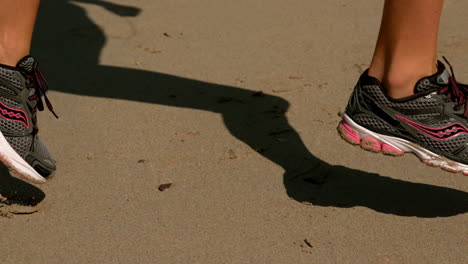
<point x="69" y="44"/>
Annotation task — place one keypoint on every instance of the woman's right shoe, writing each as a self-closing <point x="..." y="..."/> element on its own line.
<point x="432" y="123"/>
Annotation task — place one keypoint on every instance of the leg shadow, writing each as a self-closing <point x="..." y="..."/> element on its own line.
<point x="69" y="42"/>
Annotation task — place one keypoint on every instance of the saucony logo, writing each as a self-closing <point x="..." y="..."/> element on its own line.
<point x="442" y="133"/>
<point x="13" y="114"/>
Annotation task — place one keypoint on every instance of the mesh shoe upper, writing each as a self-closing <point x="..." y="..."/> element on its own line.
<point x="431" y="117"/>
<point x="19" y="101"/>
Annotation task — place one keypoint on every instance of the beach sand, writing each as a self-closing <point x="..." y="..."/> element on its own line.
<point x="235" y="103"/>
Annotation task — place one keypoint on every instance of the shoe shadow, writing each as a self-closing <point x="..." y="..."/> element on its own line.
<point x="67" y="41"/>
<point x="15" y="193"/>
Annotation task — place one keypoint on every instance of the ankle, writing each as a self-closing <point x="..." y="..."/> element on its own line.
<point x="400" y="86"/>
<point x="10" y="55"/>
<point x="399" y="80"/>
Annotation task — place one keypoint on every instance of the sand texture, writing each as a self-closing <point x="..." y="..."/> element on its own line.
<point x="235" y="104"/>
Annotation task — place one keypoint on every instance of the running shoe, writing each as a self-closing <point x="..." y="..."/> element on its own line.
<point x="432" y="123"/>
<point x="21" y="91"/>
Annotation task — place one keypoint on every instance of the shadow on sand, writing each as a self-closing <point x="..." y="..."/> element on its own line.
<point x="17" y="192"/>
<point x="69" y="45"/>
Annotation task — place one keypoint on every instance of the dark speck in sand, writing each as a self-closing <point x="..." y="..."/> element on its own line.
<point x="307" y="243"/>
<point x="164" y="187"/>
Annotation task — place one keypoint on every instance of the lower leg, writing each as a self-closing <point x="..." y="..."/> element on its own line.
<point x="406" y="49"/>
<point x="17" y="20"/>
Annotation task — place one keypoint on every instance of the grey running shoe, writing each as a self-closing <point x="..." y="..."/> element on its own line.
<point x="432" y="123"/>
<point x="21" y="91"/>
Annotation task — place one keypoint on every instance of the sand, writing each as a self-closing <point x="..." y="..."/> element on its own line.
<point x="235" y="103"/>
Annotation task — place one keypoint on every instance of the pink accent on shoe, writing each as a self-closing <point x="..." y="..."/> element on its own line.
<point x="14" y="114"/>
<point x="390" y="150"/>
<point x="465" y="173"/>
<point x="349" y="134"/>
<point x="371" y="144"/>
<point x="438" y="133"/>
<point x="429" y="163"/>
<point x="449" y="170"/>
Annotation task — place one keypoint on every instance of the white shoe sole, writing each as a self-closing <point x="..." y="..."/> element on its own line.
<point x="372" y="141"/>
<point x="16" y="164"/>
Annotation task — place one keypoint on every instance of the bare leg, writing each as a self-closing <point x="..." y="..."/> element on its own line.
<point x="406" y="48"/>
<point x="17" y="19"/>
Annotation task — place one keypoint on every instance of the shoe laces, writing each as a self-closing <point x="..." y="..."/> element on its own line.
<point x="38" y="82"/>
<point x="455" y="91"/>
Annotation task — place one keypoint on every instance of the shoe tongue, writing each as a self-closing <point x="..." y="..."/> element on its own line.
<point x="27" y="64"/>
<point x="436" y="81"/>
